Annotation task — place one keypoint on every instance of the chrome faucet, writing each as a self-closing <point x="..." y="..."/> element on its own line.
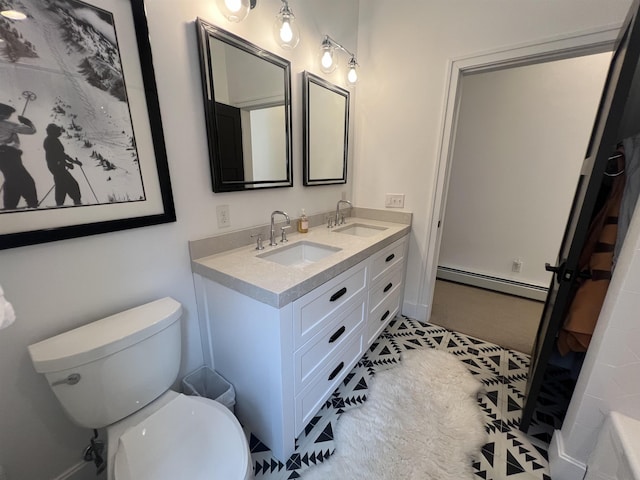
<point x="337" y="220"/>
<point x="273" y="228"/>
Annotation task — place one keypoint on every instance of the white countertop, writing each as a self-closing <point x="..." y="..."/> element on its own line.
<point x="277" y="285"/>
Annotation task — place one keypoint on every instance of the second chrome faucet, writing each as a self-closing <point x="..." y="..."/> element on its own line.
<point x="337" y="219"/>
<point x="272" y="241"/>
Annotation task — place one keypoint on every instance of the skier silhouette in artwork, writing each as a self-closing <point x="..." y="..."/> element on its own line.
<point x="18" y="183"/>
<point x="59" y="163"/>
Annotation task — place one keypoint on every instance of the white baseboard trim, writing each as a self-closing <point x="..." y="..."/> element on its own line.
<point x="81" y="471"/>
<point x="561" y="465"/>
<point x="415" y="311"/>
<point x="526" y="290"/>
<point x="72" y="472"/>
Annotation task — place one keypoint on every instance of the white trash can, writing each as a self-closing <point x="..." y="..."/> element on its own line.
<point x="205" y="382"/>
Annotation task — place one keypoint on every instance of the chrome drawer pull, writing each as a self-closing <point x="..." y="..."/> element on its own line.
<point x="390" y="257"/>
<point x="336" y="335"/>
<point x="384" y="317"/>
<point x="336" y="371"/>
<point x="388" y="287"/>
<point x="338" y="294"/>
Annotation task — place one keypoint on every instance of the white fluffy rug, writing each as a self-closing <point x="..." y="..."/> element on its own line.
<point x="421" y="421"/>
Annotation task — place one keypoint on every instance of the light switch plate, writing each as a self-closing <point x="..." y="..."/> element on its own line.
<point x="394" y="200"/>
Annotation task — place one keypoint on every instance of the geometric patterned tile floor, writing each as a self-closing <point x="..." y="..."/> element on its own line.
<point x="509" y="454"/>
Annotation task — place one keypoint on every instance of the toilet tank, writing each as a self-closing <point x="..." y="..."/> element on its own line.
<point x="108" y="369"/>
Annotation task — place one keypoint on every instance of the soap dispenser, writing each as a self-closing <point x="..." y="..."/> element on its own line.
<point x="303" y="223"/>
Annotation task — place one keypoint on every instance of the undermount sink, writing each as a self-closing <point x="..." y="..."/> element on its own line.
<point x="299" y="254"/>
<point x="360" y="230"/>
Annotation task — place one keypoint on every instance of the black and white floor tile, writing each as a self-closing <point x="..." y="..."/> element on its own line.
<point x="509" y="454"/>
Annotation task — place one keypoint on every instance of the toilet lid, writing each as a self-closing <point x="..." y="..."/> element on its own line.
<point x="190" y="437"/>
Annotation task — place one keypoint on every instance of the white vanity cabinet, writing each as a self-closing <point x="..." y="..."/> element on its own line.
<point x="285" y="362"/>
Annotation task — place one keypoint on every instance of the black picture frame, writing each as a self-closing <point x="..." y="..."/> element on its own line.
<point x="156" y="206"/>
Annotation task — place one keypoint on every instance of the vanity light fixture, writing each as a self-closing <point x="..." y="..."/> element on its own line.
<point x="328" y="62"/>
<point x="235" y="10"/>
<point x="285" y="28"/>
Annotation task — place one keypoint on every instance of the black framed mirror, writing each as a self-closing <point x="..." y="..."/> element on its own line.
<point x="247" y="92"/>
<point x="326" y="131"/>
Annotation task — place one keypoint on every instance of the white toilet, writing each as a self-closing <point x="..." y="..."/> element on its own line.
<point x="116" y="373"/>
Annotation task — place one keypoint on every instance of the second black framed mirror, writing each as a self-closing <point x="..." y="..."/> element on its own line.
<point x="326" y="131"/>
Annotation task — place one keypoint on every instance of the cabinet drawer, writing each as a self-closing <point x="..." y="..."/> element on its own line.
<point x="387" y="258"/>
<point x="311" y="310"/>
<point x="387" y="286"/>
<point x="312" y="357"/>
<point x="381" y="316"/>
<point x="309" y="401"/>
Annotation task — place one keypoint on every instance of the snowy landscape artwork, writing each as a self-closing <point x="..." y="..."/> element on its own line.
<point x="66" y="135"/>
<point x="81" y="144"/>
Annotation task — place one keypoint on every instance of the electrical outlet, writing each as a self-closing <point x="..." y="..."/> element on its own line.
<point x="394" y="200"/>
<point x="224" y="218"/>
<point x="516" y="266"/>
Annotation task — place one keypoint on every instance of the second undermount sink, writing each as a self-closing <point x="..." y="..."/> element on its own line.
<point x="299" y="254"/>
<point x="360" y="229"/>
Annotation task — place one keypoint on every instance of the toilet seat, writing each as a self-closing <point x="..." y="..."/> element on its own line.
<point x="189" y="437"/>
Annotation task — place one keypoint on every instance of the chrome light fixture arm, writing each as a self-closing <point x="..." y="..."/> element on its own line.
<point x="327" y="62"/>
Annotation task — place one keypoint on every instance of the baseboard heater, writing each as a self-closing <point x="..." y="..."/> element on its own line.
<point x="526" y="290"/>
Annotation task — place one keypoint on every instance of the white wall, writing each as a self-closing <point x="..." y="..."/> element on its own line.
<point x="521" y="137"/>
<point x="61" y="285"/>
<point x="401" y="101"/>
<point x="401" y="91"/>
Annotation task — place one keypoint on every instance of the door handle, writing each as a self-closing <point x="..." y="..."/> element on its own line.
<point x="335" y="372"/>
<point x="336" y="335"/>
<point x="558" y="270"/>
<point x="338" y="294"/>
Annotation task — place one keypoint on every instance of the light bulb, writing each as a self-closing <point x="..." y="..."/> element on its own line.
<point x="13" y="14"/>
<point x="234" y="10"/>
<point x="285" y="28"/>
<point x="327" y="65"/>
<point x="327" y="59"/>
<point x="352" y="76"/>
<point x="286" y="34"/>
<point x="233" y="5"/>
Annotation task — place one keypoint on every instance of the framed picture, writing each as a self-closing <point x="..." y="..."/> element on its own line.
<point x="81" y="145"/>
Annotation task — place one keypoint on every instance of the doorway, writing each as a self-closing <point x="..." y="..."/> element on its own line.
<point x="520" y="137"/>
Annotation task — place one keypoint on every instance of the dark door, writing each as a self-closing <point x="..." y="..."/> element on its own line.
<point x="230" y="143"/>
<point x="604" y="138"/>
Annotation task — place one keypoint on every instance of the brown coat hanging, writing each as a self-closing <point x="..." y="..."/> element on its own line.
<point x="597" y="259"/>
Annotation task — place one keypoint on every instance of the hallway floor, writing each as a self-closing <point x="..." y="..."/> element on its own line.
<point x="506" y="320"/>
<point x="509" y="453"/>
